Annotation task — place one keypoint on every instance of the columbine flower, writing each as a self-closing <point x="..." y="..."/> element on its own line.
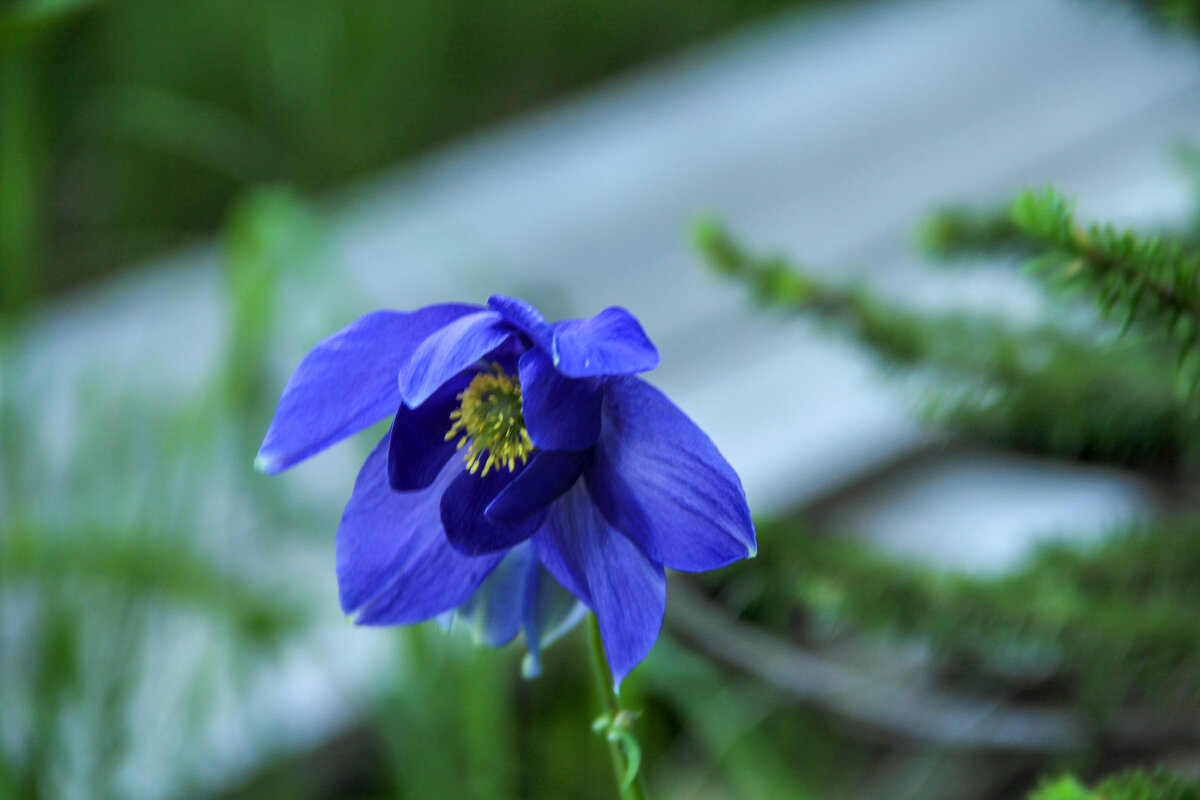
<point x="565" y="464"/>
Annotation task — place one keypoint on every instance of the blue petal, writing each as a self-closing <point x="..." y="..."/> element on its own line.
<point x="560" y="413"/>
<point x="394" y="565"/>
<point x="549" y="612"/>
<point x="610" y="343"/>
<point x="523" y="317"/>
<point x="496" y="611"/>
<point x="449" y="351"/>
<point x="467" y="528"/>
<point x="660" y="480"/>
<point x="625" y="588"/>
<point x="545" y="478"/>
<point x="347" y="382"/>
<point x="418" y="443"/>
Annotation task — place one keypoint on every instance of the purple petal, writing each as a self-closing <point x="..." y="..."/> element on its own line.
<point x="496" y="611"/>
<point x="347" y="382"/>
<point x="394" y="565"/>
<point x="418" y="448"/>
<point x="449" y="351"/>
<point x="467" y="528"/>
<point x="660" y="480"/>
<point x="545" y="478"/>
<point x="523" y="317"/>
<point x="626" y="590"/>
<point x="610" y="343"/>
<point x="561" y="413"/>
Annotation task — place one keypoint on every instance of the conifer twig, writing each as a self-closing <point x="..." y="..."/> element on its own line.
<point x="1042" y="389"/>
<point x="899" y="708"/>
<point x="1148" y="280"/>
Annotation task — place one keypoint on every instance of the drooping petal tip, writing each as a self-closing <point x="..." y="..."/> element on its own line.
<point x="626" y="589"/>
<point x="531" y="665"/>
<point x="266" y="464"/>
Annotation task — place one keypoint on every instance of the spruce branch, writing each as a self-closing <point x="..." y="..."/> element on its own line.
<point x="893" y="706"/>
<point x="958" y="231"/>
<point x="1039" y="389"/>
<point x="954" y="343"/>
<point x="1113" y="625"/>
<point x="1150" y="281"/>
<point x="870" y="701"/>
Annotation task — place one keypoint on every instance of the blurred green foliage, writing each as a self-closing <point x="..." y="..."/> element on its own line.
<point x="117" y="543"/>
<point x="1072" y="391"/>
<point x="1184" y="13"/>
<point x="1110" y="627"/>
<point x="1133" y="785"/>
<point x="131" y="125"/>
<point x="1105" y="374"/>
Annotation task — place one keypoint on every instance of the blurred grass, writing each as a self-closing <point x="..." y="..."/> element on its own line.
<point x="130" y="125"/>
<point x="132" y="531"/>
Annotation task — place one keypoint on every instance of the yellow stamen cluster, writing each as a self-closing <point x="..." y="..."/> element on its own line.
<point x="489" y="417"/>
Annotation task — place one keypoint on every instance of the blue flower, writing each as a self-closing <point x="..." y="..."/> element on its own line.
<point x="567" y="464"/>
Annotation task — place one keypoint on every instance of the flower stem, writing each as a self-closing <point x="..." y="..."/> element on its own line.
<point x="611" y="711"/>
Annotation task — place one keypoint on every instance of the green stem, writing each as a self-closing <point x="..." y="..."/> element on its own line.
<point x="610" y="707"/>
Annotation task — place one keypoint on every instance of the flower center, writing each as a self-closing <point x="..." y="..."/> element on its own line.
<point x="489" y="417"/>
